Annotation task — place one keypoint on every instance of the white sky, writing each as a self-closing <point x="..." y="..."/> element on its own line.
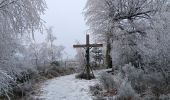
<point x="68" y="22"/>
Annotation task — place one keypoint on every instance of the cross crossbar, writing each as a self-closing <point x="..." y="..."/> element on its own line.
<point x="88" y="45"/>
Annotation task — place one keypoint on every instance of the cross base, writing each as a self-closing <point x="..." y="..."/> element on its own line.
<point x="89" y="75"/>
<point x="84" y="76"/>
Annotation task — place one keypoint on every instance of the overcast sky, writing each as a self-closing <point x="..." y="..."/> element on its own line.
<point x="68" y="22"/>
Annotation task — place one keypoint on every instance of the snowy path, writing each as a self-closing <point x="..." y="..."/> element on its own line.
<point x="67" y="88"/>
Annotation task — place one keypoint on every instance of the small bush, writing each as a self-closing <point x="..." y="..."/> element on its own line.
<point x="23" y="89"/>
<point x="165" y="97"/>
<point x="6" y="82"/>
<point x="55" y="71"/>
<point x="96" y="90"/>
<point x="107" y="88"/>
<point x="126" y="92"/>
<point x="108" y="82"/>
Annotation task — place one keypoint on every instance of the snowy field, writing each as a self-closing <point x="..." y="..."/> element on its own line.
<point x="68" y="88"/>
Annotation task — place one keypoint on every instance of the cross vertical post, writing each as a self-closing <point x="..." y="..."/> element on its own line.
<point x="88" y="56"/>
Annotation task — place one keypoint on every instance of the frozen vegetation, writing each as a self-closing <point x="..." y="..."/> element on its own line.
<point x="138" y="32"/>
<point x="23" y="61"/>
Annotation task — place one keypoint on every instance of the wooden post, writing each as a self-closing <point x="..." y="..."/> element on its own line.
<point x="88" y="57"/>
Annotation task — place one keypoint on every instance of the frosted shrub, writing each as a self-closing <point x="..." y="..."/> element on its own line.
<point x="152" y="97"/>
<point x="157" y="84"/>
<point x="96" y="90"/>
<point x="6" y="82"/>
<point x="165" y="97"/>
<point x="55" y="71"/>
<point x="23" y="89"/>
<point x="143" y="82"/>
<point x="126" y="92"/>
<point x="136" y="77"/>
<point x="108" y="82"/>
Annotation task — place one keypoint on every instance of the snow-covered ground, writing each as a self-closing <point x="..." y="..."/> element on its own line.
<point x="67" y="88"/>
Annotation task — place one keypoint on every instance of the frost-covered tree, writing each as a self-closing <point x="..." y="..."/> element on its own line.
<point x="50" y="39"/>
<point x="20" y="16"/>
<point x="17" y="17"/>
<point x="54" y="52"/>
<point x="156" y="49"/>
<point x="34" y="53"/>
<point x="140" y="36"/>
<point x="126" y="21"/>
<point x="42" y="54"/>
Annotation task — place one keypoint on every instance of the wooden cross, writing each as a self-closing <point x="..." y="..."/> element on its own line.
<point x="88" y="46"/>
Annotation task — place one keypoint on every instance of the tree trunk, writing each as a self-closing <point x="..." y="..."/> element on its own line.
<point x="108" y="57"/>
